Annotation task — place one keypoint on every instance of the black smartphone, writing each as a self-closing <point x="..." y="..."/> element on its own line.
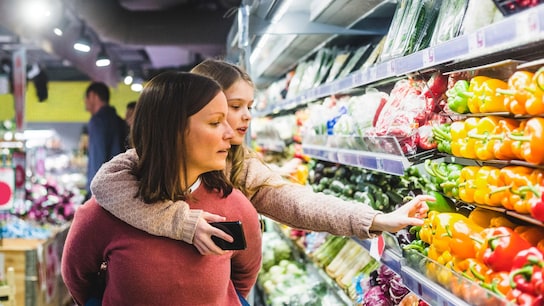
<point x="234" y="229"/>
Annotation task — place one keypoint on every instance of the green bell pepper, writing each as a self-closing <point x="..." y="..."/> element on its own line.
<point x="441" y="203"/>
<point x="458" y="97"/>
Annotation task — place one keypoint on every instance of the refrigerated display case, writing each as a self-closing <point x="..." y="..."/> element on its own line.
<point x="514" y="38"/>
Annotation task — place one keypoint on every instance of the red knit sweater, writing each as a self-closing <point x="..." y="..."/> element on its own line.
<point x="148" y="270"/>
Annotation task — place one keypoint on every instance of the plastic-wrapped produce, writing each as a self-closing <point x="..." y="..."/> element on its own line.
<point x="479" y="14"/>
<point x="449" y="21"/>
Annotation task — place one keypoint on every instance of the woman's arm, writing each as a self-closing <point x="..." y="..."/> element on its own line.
<point x="114" y="188"/>
<point x="300" y="207"/>
<point x="82" y="255"/>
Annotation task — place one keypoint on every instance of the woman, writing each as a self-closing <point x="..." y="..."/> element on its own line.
<point x="288" y="203"/>
<point x="182" y="137"/>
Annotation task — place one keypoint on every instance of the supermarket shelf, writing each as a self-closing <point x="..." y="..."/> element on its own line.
<point x="513" y="32"/>
<point x="428" y="290"/>
<point x="306" y="27"/>
<point x="386" y="163"/>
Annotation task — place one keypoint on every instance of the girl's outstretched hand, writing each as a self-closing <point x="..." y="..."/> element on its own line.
<point x="410" y="213"/>
<point x="202" y="239"/>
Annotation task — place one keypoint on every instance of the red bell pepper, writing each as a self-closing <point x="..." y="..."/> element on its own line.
<point x="537" y="281"/>
<point x="520" y="279"/>
<point x="537" y="208"/>
<point x="501" y="245"/>
<point x="530" y="256"/>
<point x="523" y="299"/>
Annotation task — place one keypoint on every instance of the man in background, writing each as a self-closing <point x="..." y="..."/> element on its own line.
<point x="107" y="130"/>
<point x="129" y="113"/>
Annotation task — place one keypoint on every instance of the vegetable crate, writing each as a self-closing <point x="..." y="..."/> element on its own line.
<point x="37" y="269"/>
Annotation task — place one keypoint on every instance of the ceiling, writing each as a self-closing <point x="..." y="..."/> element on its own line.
<point x="141" y="37"/>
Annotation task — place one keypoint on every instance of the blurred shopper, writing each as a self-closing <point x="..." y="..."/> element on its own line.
<point x="107" y="130"/>
<point x="129" y="119"/>
<point x="129" y="113"/>
<point x="182" y="135"/>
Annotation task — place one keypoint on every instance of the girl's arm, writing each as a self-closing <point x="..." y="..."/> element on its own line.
<point x="300" y="207"/>
<point x="114" y="188"/>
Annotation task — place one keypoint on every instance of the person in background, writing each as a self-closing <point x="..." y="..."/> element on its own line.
<point x="107" y="130"/>
<point x="183" y="162"/>
<point x="129" y="119"/>
<point x="289" y="203"/>
<point x="129" y="113"/>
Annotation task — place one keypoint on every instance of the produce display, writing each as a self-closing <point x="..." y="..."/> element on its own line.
<point x="472" y="137"/>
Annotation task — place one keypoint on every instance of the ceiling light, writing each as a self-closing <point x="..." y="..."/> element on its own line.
<point x="137" y="85"/>
<point x="58" y="31"/>
<point x="128" y="80"/>
<point x="102" y="60"/>
<point x="83" y="43"/>
<point x="61" y="27"/>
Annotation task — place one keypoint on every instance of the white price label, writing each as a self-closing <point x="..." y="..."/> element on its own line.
<point x="377" y="245"/>
<point x="373" y="73"/>
<point x="391" y="67"/>
<point x="528" y="26"/>
<point x="476" y="41"/>
<point x="379" y="164"/>
<point x="428" y="56"/>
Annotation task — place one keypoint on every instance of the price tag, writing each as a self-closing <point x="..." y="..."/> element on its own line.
<point x="391" y="67"/>
<point x="428" y="57"/>
<point x="373" y="73"/>
<point x="476" y="41"/>
<point x="356" y="79"/>
<point x="377" y="245"/>
<point x="379" y="163"/>
<point x="528" y="26"/>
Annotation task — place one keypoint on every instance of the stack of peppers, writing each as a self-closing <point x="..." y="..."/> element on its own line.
<point x="494" y="137"/>
<point x="504" y="251"/>
<point x="497" y="258"/>
<point x="479" y="95"/>
<point x="522" y="94"/>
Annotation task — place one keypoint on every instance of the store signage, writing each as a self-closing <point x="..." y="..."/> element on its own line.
<point x="7" y="187"/>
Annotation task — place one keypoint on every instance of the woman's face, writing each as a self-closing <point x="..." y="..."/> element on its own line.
<point x="208" y="138"/>
<point x="240" y="100"/>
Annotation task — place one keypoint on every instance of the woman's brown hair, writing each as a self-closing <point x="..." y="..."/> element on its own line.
<point x="160" y="124"/>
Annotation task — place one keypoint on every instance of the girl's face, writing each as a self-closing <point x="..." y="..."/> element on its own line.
<point x="208" y="138"/>
<point x="240" y="100"/>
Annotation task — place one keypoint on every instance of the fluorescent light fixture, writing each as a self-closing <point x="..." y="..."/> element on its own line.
<point x="83" y="43"/>
<point x="137" y="85"/>
<point x="102" y="60"/>
<point x="58" y="31"/>
<point x="61" y="27"/>
<point x="128" y="80"/>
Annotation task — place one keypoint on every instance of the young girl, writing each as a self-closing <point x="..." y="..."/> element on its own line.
<point x="289" y="203"/>
<point x="182" y="137"/>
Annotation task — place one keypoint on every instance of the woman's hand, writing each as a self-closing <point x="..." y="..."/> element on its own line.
<point x="410" y="213"/>
<point x="202" y="239"/>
